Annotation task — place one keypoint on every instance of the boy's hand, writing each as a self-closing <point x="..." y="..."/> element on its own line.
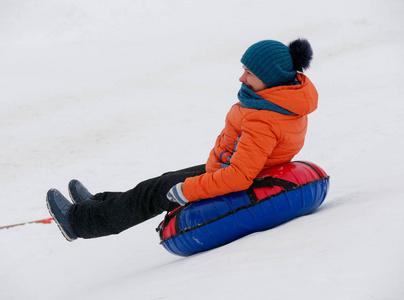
<point x="175" y="194"/>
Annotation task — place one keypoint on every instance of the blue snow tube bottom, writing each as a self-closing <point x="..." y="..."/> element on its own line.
<point x="279" y="194"/>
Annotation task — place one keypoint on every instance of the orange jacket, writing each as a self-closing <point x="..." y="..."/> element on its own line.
<point x="255" y="139"/>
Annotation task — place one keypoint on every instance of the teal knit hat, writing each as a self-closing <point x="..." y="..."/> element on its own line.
<point x="271" y="62"/>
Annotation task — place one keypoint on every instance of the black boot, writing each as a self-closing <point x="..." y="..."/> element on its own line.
<point x="59" y="208"/>
<point x="78" y="192"/>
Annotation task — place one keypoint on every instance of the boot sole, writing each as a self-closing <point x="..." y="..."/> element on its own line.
<point x="71" y="197"/>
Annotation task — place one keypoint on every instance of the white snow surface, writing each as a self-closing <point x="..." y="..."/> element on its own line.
<point x="114" y="92"/>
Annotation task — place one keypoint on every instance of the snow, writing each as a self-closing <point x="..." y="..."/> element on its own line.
<point x="112" y="93"/>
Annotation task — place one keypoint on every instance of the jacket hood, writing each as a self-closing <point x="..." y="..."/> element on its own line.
<point x="300" y="99"/>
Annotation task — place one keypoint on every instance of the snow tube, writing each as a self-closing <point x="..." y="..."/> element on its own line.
<point x="279" y="194"/>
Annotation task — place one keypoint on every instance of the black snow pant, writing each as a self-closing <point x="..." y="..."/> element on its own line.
<point x="113" y="212"/>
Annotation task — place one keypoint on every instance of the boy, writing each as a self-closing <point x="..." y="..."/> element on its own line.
<point x="265" y="128"/>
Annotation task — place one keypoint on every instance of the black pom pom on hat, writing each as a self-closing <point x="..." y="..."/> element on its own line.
<point x="302" y="54"/>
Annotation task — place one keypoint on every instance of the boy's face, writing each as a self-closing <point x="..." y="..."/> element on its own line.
<point x="252" y="81"/>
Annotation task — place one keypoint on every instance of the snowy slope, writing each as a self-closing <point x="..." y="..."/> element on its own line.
<point x="112" y="93"/>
